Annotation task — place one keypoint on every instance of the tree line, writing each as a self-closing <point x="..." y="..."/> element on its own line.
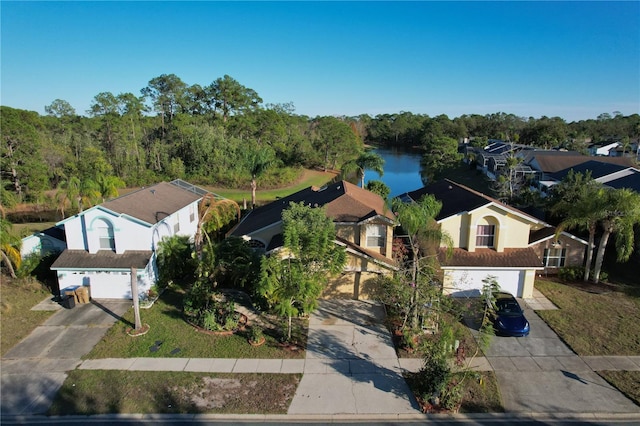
<point x="222" y="134"/>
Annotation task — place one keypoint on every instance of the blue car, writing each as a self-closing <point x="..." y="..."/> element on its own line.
<point x="509" y="319"/>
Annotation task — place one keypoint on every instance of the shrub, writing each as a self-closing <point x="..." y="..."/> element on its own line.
<point x="255" y="334"/>
<point x="573" y="273"/>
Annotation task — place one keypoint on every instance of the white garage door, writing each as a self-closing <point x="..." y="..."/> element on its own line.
<point x="114" y="285"/>
<point x="469" y="283"/>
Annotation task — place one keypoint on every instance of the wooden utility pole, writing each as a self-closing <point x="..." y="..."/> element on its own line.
<point x="134" y="294"/>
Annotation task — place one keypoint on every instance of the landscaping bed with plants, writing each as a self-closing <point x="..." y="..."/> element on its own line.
<point x="171" y="336"/>
<point x="159" y="392"/>
<point x="443" y="385"/>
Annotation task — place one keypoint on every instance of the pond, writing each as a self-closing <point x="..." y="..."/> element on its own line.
<point x="401" y="169"/>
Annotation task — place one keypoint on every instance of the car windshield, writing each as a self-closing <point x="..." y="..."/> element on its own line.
<point x="508" y="307"/>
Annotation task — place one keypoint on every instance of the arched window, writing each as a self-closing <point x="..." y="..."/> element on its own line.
<point x="256" y="244"/>
<point x="105" y="235"/>
<point x="486" y="233"/>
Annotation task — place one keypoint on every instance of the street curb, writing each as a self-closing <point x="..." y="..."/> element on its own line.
<point x="330" y="418"/>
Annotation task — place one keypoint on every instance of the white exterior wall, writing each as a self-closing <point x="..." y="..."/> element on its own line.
<point x="129" y="234"/>
<point x="467" y="283"/>
<point x="106" y="284"/>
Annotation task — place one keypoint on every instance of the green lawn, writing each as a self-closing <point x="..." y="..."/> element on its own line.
<point x="308" y="178"/>
<point x="17" y="297"/>
<point x="597" y="324"/>
<point x="159" y="392"/>
<point x="593" y="324"/>
<point x="179" y="339"/>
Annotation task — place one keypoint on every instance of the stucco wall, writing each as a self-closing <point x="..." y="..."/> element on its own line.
<point x="511" y="231"/>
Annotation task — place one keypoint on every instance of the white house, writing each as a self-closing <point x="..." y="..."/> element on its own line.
<point x="106" y="241"/>
<point x="41" y="243"/>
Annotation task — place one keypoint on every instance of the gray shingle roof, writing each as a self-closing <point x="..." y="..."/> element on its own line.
<point x="153" y="203"/>
<point x="103" y="259"/>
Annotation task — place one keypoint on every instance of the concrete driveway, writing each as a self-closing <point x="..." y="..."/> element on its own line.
<point x="351" y="366"/>
<point x="540" y="374"/>
<point x="35" y="368"/>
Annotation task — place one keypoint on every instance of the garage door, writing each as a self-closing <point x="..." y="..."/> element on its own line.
<point x="469" y="283"/>
<point x="109" y="285"/>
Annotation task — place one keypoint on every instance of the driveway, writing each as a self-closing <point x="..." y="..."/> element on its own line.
<point x="34" y="369"/>
<point x="540" y="374"/>
<point x="351" y="366"/>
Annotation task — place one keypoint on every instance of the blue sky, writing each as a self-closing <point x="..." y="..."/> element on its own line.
<point x="574" y="60"/>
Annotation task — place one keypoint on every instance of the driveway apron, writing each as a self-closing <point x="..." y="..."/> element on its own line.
<point x="540" y="374"/>
<point x="35" y="368"/>
<point x="351" y="366"/>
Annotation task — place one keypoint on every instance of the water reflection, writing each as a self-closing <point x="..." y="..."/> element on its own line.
<point x="401" y="170"/>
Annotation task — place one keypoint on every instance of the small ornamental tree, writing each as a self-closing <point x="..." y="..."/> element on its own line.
<point x="291" y="283"/>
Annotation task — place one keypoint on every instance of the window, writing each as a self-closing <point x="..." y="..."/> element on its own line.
<point x="192" y="213"/>
<point x="105" y="235"/>
<point x="376" y="235"/>
<point x="485" y="235"/>
<point x="176" y="226"/>
<point x="554" y="257"/>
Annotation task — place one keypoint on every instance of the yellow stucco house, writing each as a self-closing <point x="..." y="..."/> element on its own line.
<point x="492" y="238"/>
<point x="364" y="227"/>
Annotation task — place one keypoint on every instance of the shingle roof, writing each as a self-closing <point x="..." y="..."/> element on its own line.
<point x="598" y="169"/>
<point x="154" y="203"/>
<point x="380" y="258"/>
<point x="457" y="198"/>
<point x="631" y="181"/>
<point x="103" y="259"/>
<point x="552" y="163"/>
<point x="489" y="258"/>
<point x="541" y="234"/>
<point x="344" y="202"/>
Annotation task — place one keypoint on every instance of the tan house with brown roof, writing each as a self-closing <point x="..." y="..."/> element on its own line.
<point x="492" y="238"/>
<point x="364" y="227"/>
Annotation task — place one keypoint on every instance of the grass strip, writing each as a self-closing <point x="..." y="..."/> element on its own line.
<point x="627" y="382"/>
<point x="108" y="392"/>
<point x="17" y="297"/>
<point x="170" y="336"/>
<point x="593" y="324"/>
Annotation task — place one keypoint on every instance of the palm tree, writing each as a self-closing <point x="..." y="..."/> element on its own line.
<point x="583" y="212"/>
<point x="108" y="186"/>
<point x="620" y="214"/>
<point x="366" y="160"/>
<point x="68" y="192"/>
<point x="258" y="162"/>
<point x="10" y="245"/>
<point x="213" y="215"/>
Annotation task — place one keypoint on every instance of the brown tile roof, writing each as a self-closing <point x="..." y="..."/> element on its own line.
<point x="377" y="256"/>
<point x="489" y="258"/>
<point x="103" y="259"/>
<point x="153" y="203"/>
<point x="344" y="202"/>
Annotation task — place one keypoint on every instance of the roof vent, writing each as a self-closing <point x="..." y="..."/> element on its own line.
<point x="450" y="187"/>
<point x="153" y="191"/>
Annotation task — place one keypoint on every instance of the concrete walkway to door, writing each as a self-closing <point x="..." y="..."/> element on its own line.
<point x="351" y="366"/>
